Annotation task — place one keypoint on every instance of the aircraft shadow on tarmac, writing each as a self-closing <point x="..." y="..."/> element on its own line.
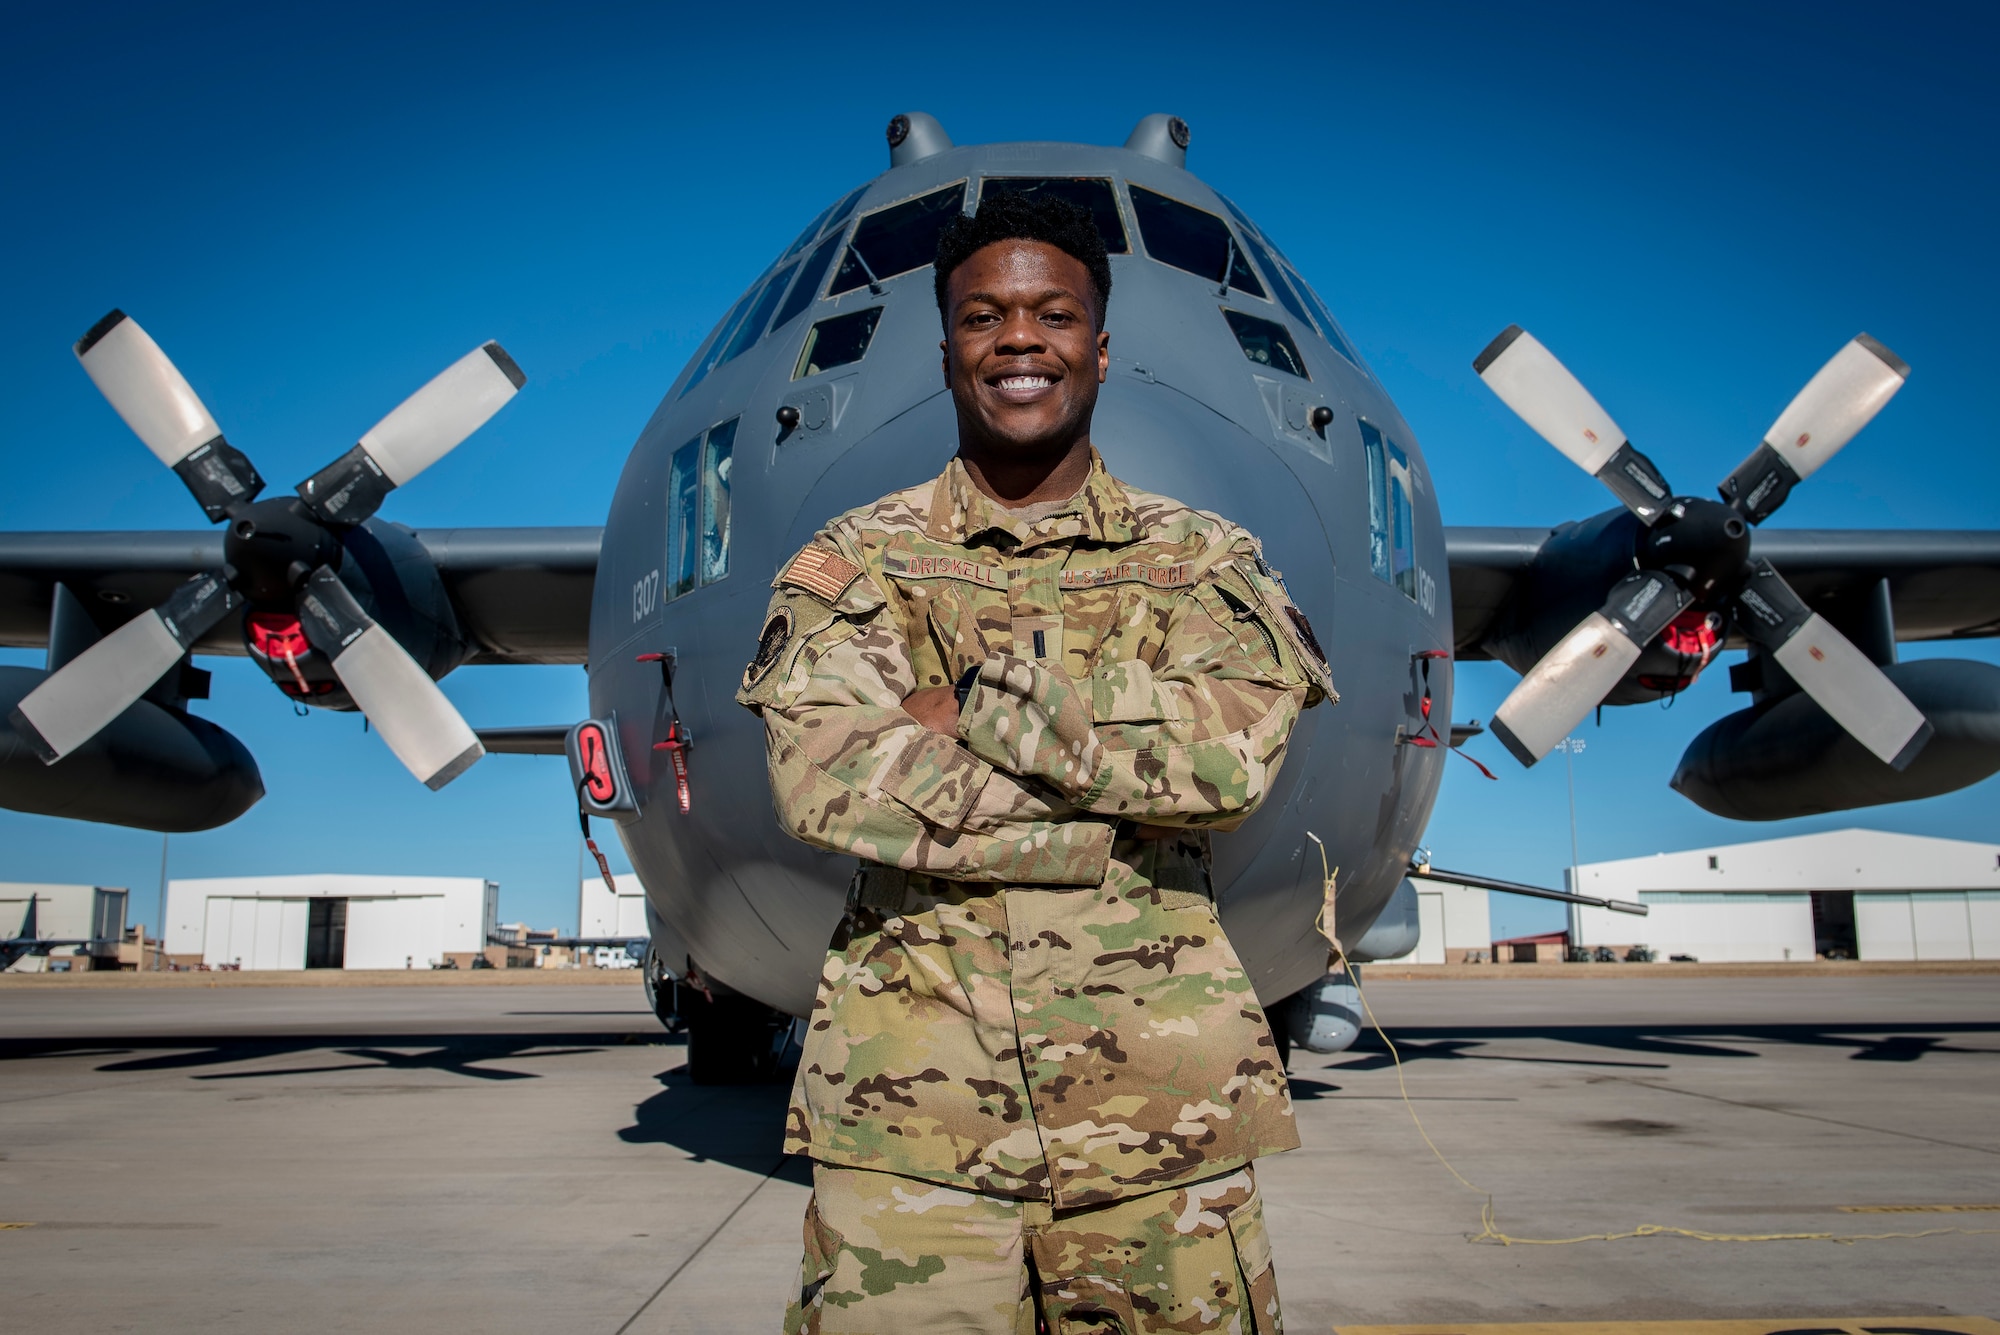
<point x="468" y="1055"/>
<point x="738" y="1125"/>
<point x="1863" y="1042"/>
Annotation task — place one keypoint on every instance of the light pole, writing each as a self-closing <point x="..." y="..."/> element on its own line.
<point x="1570" y="746"/>
<point x="160" y="918"/>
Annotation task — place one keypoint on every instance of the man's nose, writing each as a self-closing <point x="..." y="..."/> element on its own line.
<point x="1020" y="334"/>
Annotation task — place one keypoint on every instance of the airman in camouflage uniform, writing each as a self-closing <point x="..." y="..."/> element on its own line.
<point x="1035" y="1074"/>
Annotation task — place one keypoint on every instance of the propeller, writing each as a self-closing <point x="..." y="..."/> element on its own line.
<point x="281" y="554"/>
<point x="1695" y="553"/>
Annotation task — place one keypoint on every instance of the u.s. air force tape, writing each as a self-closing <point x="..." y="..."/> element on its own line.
<point x="821" y="571"/>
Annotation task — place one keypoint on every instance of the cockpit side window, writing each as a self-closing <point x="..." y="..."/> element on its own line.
<point x="1192" y="239"/>
<point x="837" y="341"/>
<point x="1266" y="342"/>
<point x="683" y="504"/>
<point x="810" y="274"/>
<point x="1093" y="194"/>
<point x="698" y="510"/>
<point x="1392" y="513"/>
<point x="897" y="239"/>
<point x="717" y="461"/>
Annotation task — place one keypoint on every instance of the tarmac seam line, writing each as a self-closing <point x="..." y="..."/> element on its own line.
<point x="1810" y="1117"/>
<point x="713" y="1234"/>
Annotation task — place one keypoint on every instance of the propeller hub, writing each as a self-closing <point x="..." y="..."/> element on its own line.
<point x="272" y="545"/>
<point x="1702" y="543"/>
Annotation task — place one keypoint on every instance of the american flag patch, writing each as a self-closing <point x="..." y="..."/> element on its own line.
<point x="822" y="572"/>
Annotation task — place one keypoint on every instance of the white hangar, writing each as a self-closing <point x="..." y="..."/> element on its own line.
<point x="1844" y="894"/>
<point x="602" y="915"/>
<point x="329" y="921"/>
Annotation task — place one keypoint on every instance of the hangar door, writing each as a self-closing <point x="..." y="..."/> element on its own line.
<point x="254" y="933"/>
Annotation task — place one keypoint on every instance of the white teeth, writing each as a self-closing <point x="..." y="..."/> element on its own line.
<point x="1025" y="382"/>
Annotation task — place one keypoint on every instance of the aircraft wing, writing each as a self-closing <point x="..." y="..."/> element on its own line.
<point x="1943" y="584"/>
<point x="522" y="594"/>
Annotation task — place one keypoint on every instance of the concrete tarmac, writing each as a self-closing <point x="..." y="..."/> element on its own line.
<point x="525" y="1159"/>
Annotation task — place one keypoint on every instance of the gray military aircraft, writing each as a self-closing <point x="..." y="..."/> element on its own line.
<point x="1232" y="387"/>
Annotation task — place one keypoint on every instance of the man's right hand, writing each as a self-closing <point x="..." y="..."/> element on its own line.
<point x="936" y="707"/>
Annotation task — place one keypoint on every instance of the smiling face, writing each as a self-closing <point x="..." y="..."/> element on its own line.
<point x="1023" y="355"/>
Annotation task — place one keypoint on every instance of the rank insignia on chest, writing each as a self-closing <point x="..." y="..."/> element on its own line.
<point x="821" y="571"/>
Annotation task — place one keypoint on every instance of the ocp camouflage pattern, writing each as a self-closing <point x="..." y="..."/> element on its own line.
<point x="1042" y="1006"/>
<point x="888" y="1253"/>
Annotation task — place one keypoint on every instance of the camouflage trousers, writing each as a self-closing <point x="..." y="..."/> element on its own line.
<point x="890" y="1255"/>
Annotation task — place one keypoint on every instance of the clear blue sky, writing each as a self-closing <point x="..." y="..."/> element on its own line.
<point x="315" y="209"/>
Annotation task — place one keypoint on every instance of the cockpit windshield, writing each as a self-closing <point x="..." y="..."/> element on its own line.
<point x="1293" y="290"/>
<point x="897" y="239"/>
<point x="1092" y="194"/>
<point x="1192" y="239"/>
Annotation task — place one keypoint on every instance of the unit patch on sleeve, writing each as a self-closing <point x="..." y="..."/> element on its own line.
<point x="821" y="571"/>
<point x="777" y="634"/>
<point x="1305" y="630"/>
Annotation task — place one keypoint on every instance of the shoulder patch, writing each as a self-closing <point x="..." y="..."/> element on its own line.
<point x="820" y="571"/>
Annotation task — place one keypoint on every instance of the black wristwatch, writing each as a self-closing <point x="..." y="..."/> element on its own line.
<point x="965" y="682"/>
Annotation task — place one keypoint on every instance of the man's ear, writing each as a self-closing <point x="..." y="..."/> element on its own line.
<point x="1103" y="355"/>
<point x="944" y="356"/>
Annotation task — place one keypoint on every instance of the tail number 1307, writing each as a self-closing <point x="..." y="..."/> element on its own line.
<point x="645" y="596"/>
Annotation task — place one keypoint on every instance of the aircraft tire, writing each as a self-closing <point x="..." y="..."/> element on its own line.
<point x="732" y="1040"/>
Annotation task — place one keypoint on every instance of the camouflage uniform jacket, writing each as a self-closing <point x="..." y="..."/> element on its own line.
<point x="1024" y="999"/>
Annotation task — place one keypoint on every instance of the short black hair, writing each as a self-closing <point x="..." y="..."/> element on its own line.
<point x="1009" y="215"/>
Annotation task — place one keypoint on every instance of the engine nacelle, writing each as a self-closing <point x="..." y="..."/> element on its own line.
<point x="152" y="768"/>
<point x="1787" y="757"/>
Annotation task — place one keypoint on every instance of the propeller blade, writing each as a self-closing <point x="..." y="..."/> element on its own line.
<point x="1544" y="394"/>
<point x="421" y="430"/>
<point x="163" y="410"/>
<point x="1580" y="671"/>
<point x="1828" y="412"/>
<point x="98" y="685"/>
<point x="1827" y="666"/>
<point x="399" y="698"/>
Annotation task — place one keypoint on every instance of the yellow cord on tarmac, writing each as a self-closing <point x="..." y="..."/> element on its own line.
<point x="1488" y="1231"/>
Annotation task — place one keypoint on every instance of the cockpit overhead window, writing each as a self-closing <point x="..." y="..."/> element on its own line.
<point x="1192" y="239"/>
<point x="1334" y="337"/>
<point x="752" y="328"/>
<point x="1284" y="275"/>
<point x="837" y="215"/>
<point x="730" y="324"/>
<point x="832" y="215"/>
<point x="837" y="341"/>
<point x="810" y="274"/>
<point x="1286" y="297"/>
<point x="1093" y="194"/>
<point x="897" y="239"/>
<point x="1267" y="343"/>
